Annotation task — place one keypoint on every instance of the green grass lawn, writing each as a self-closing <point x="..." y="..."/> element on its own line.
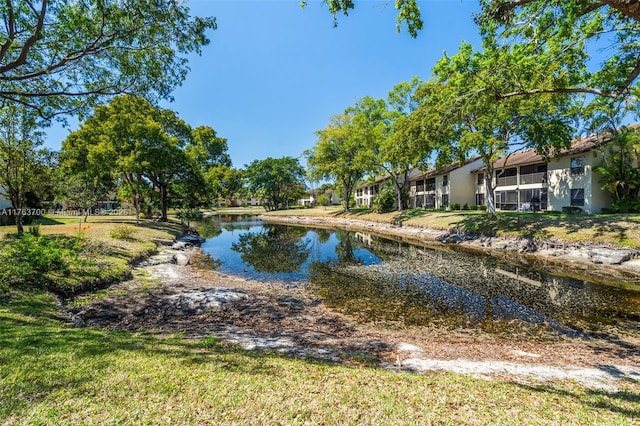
<point x="54" y="373"/>
<point x="620" y="229"/>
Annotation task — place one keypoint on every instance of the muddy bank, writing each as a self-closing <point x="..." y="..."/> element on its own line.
<point x="167" y="298"/>
<point x="605" y="264"/>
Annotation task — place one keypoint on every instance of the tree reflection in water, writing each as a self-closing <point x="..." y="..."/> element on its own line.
<point x="275" y="249"/>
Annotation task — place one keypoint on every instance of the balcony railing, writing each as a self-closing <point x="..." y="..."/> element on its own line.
<point x="507" y="180"/>
<point x="529" y="178"/>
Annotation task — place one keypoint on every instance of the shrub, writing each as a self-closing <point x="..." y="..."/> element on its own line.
<point x="122" y="232"/>
<point x="482" y="207"/>
<point x="34" y="229"/>
<point x="455" y="206"/>
<point x="384" y="201"/>
<point x="571" y="210"/>
<point x="473" y="207"/>
<point x="465" y="207"/>
<point x="323" y="200"/>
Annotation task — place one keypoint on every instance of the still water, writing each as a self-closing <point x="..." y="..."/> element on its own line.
<point x="379" y="279"/>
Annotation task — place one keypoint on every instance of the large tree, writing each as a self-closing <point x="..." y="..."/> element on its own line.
<point x="276" y="180"/>
<point x="568" y="36"/>
<point x="460" y="109"/>
<point x="398" y="151"/>
<point x="343" y="152"/>
<point x="138" y="142"/>
<point x="59" y="56"/>
<point x="24" y="166"/>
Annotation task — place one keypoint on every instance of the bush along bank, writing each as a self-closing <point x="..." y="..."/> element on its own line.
<point x="65" y="265"/>
<point x="68" y="265"/>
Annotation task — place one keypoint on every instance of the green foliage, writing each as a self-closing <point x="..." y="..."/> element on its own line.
<point x="344" y="150"/>
<point x="61" y="57"/>
<point x="122" y="232"/>
<point x="455" y="206"/>
<point x="383" y="202"/>
<point x="34" y="229"/>
<point x="323" y="200"/>
<point x="187" y="215"/>
<point x="465" y="206"/>
<point x="139" y="144"/>
<point x="278" y="180"/>
<point x="24" y="166"/>
<point x="562" y="37"/>
<point x="408" y="13"/>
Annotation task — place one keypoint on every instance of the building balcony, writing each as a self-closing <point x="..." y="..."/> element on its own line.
<point x="532" y="178"/>
<point x="507" y="181"/>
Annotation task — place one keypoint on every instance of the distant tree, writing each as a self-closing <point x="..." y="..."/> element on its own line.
<point x="343" y="151"/>
<point x="224" y="182"/>
<point x="277" y="180"/>
<point x="24" y="166"/>
<point x="60" y="56"/>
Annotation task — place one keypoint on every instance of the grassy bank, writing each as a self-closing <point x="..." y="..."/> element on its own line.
<point x="68" y="256"/>
<point x="54" y="373"/>
<point x="619" y="229"/>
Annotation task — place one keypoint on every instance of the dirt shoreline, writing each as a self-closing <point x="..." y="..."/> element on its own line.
<point x="164" y="298"/>
<point x="557" y="257"/>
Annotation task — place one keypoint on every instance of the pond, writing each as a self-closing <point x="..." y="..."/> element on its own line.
<point x="379" y="279"/>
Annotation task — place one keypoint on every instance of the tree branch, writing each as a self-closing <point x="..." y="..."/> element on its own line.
<point x="28" y="44"/>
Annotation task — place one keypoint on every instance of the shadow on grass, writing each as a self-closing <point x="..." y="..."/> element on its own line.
<point x="42" y="358"/>
<point x="531" y="225"/>
<point x="625" y="403"/>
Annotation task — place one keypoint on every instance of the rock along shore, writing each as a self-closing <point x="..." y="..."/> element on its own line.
<point x="601" y="263"/>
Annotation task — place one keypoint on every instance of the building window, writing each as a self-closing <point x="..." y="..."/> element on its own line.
<point x="445" y="180"/>
<point x="480" y="178"/>
<point x="430" y="202"/>
<point x="420" y="185"/>
<point x="577" y="197"/>
<point x="445" y="200"/>
<point x="577" y="166"/>
<point x="430" y="184"/>
<point x="480" y="199"/>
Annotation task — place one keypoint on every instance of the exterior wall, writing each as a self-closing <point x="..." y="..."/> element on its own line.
<point x="558" y="182"/>
<point x="562" y="181"/>
<point x="459" y="187"/>
<point x="461" y="184"/>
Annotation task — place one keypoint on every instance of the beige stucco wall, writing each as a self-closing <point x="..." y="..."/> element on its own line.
<point x="561" y="181"/>
<point x="462" y="184"/>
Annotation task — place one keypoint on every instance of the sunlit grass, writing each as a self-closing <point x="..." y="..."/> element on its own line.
<point x="620" y="229"/>
<point x="56" y="374"/>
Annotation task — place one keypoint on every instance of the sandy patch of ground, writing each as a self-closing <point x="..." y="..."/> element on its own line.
<point x="168" y="299"/>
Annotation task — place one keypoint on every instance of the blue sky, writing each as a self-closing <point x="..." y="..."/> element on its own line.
<point x="274" y="73"/>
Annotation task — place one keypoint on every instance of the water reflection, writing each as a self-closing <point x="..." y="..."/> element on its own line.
<point x="274" y="249"/>
<point x="380" y="279"/>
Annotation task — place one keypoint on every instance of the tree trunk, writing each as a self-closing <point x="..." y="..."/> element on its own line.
<point x="488" y="187"/>
<point x="163" y="203"/>
<point x="19" y="225"/>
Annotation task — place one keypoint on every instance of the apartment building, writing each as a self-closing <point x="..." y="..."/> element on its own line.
<point x="525" y="181"/>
